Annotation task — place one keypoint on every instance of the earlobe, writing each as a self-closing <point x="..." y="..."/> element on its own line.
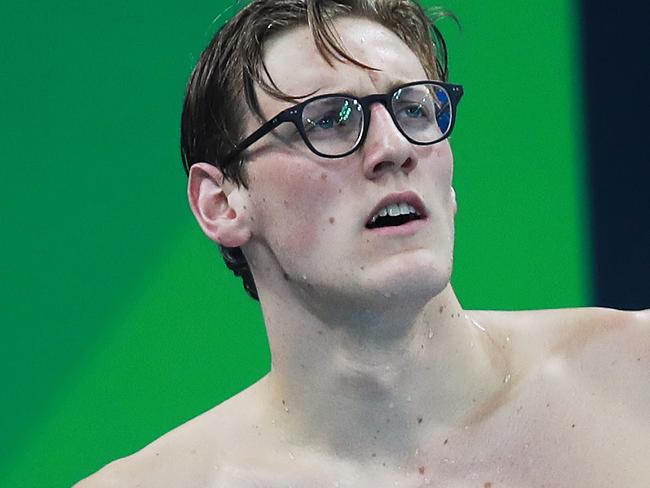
<point x="212" y="201"/>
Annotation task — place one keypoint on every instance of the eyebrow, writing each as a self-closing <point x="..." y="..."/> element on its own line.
<point x="358" y="94"/>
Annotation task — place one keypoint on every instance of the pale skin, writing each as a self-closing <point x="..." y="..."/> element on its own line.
<point x="379" y="377"/>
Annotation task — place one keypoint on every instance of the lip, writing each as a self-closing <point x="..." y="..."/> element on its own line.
<point x="409" y="197"/>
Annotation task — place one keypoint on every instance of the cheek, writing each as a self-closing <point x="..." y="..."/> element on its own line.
<point x="294" y="204"/>
<point x="436" y="164"/>
<point x="444" y="160"/>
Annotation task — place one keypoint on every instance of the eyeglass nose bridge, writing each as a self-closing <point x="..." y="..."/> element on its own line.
<point x="366" y="103"/>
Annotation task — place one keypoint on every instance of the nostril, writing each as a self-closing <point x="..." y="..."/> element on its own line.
<point x="408" y="165"/>
<point x="381" y="166"/>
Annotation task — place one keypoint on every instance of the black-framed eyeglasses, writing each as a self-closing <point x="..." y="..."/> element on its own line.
<point x="336" y="125"/>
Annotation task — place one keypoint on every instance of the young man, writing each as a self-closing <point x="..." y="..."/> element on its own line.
<point x="339" y="215"/>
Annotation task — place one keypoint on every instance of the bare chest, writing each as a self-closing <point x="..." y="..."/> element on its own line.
<point x="556" y="429"/>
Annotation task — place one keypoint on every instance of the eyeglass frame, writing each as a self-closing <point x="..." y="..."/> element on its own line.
<point x="294" y="114"/>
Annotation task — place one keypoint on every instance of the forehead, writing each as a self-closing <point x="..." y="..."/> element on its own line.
<point x="297" y="67"/>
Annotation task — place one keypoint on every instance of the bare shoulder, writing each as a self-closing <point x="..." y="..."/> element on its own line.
<point x="565" y="329"/>
<point x="199" y="453"/>
<point x="607" y="350"/>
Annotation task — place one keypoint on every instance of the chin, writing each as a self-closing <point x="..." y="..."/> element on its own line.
<point x="417" y="277"/>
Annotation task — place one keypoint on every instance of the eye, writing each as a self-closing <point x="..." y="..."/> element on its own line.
<point x="328" y="114"/>
<point x="322" y="122"/>
<point x="415" y="111"/>
<point x="326" y="122"/>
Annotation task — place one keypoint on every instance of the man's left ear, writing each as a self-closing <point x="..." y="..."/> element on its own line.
<point x="218" y="206"/>
<point x="453" y="199"/>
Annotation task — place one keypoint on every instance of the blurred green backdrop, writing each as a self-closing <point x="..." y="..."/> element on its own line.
<point x="119" y="320"/>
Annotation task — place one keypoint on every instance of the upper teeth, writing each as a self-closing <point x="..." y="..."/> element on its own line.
<point x="395" y="209"/>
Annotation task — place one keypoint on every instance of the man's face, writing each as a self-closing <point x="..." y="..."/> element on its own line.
<point x="309" y="214"/>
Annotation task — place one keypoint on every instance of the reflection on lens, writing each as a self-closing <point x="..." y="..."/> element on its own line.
<point x="423" y="112"/>
<point x="333" y="124"/>
<point x="345" y="112"/>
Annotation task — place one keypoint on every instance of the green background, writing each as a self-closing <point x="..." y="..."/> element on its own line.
<point x="119" y="320"/>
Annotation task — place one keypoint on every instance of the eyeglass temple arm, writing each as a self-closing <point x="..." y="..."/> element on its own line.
<point x="255" y="136"/>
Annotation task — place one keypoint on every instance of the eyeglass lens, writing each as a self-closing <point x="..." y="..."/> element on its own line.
<point x="333" y="125"/>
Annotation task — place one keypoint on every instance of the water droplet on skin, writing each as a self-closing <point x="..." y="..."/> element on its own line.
<point x="304" y="277"/>
<point x="477" y="325"/>
<point x="408" y="398"/>
<point x="430" y="335"/>
<point x="417" y="451"/>
<point x="391" y="405"/>
<point x="507" y="338"/>
<point x="507" y="378"/>
<point x="291" y="455"/>
<point x="387" y="295"/>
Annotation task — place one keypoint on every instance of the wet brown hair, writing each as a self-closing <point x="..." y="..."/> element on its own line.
<point x="232" y="65"/>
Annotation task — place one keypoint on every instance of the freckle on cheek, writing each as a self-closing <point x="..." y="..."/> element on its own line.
<point x="331" y="220"/>
<point x="323" y="176"/>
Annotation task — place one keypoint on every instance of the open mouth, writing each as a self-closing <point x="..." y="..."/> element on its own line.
<point x="393" y="215"/>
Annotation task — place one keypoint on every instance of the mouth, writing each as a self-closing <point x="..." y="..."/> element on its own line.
<point x="396" y="209"/>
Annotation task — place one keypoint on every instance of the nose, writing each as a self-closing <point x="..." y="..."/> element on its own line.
<point x="386" y="149"/>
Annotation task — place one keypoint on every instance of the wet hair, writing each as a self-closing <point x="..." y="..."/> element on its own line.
<point x="228" y="70"/>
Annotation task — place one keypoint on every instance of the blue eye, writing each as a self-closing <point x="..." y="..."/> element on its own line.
<point x="415" y="111"/>
<point x="325" y="123"/>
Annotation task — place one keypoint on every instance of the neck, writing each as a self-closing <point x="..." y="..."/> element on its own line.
<point x="347" y="390"/>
